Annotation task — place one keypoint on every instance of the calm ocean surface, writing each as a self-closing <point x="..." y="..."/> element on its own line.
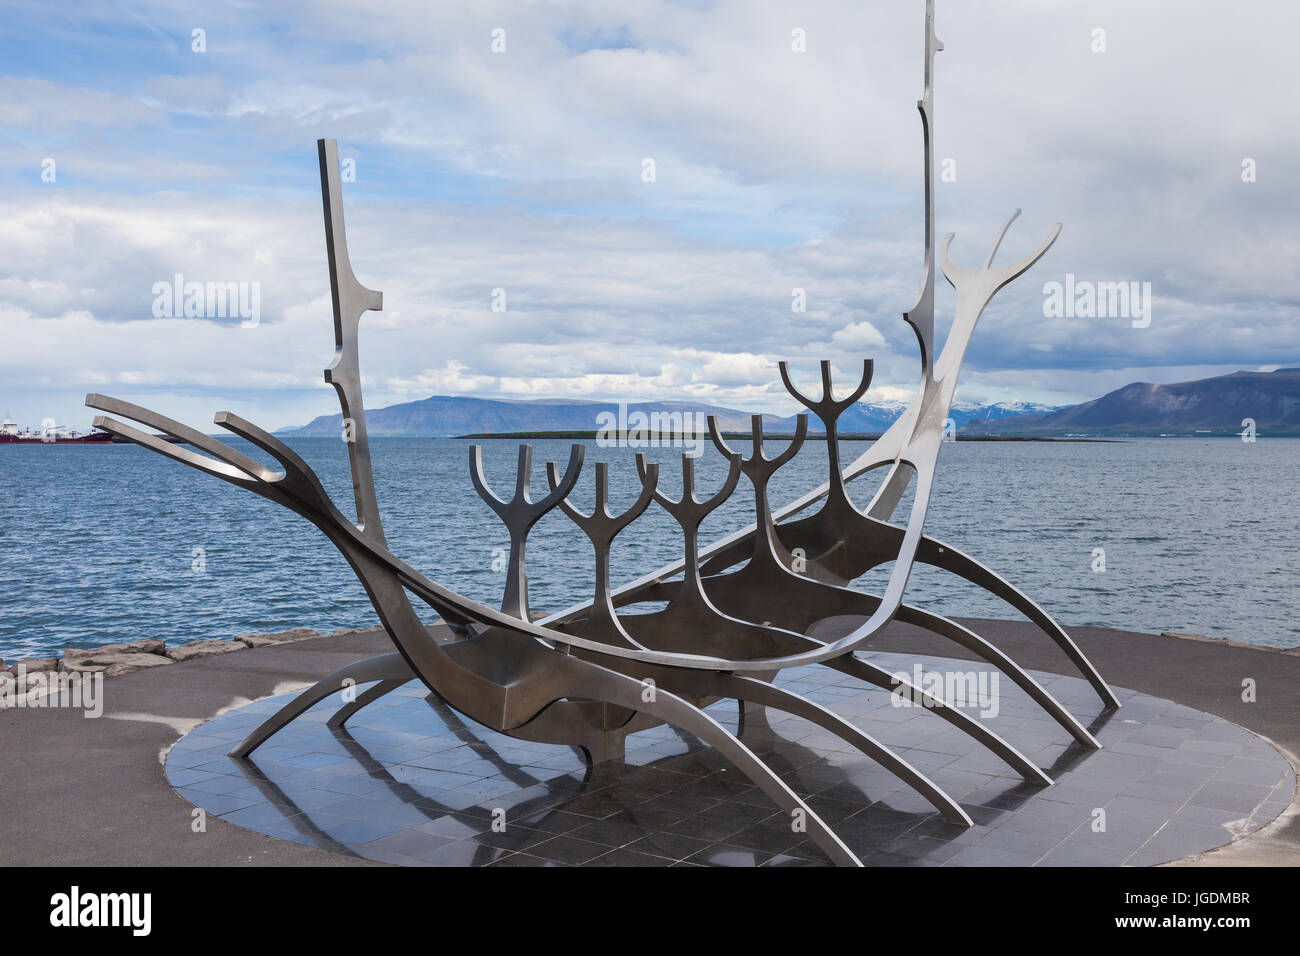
<point x="102" y="544"/>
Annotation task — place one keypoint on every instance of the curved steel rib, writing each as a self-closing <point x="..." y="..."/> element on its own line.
<point x="735" y="548"/>
<point x="973" y="642"/>
<point x="706" y="685"/>
<point x="678" y="712"/>
<point x="940" y="555"/>
<point x="759" y="692"/>
<point x="382" y="668"/>
<point x="855" y="666"/>
<point x="371" y="694"/>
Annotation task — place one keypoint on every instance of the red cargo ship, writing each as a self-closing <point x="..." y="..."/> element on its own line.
<point x="49" y="435"/>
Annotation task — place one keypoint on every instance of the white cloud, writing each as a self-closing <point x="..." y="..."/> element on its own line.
<point x="775" y="171"/>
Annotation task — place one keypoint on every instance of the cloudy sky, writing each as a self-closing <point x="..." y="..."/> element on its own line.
<point x="127" y="156"/>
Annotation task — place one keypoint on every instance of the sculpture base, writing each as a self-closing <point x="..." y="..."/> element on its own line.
<point x="408" y="782"/>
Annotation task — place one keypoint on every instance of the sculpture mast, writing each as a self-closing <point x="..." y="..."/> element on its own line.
<point x="350" y="300"/>
<point x="921" y="315"/>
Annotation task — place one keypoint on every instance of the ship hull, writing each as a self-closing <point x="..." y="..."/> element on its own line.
<point x="95" y="438"/>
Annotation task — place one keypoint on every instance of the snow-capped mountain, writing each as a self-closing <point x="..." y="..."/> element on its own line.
<point x="874" y="417"/>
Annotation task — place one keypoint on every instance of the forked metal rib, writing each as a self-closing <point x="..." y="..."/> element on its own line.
<point x="759" y="469"/>
<point x="519" y="514"/>
<point x="601" y="527"/>
<point x="689" y="512"/>
<point x="829" y="409"/>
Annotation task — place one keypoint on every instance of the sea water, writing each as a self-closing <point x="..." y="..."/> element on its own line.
<point x="101" y="544"/>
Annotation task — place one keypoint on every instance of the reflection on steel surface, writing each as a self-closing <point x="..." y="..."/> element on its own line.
<point x="588" y="676"/>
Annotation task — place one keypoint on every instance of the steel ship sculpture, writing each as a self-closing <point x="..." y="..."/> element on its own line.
<point x="737" y="611"/>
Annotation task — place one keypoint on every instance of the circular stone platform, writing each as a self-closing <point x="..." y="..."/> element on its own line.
<point x="409" y="782"/>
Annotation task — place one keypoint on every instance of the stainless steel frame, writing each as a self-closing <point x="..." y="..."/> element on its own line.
<point x="588" y="676"/>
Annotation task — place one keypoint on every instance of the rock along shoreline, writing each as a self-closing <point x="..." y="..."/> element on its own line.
<point x="111" y="660"/>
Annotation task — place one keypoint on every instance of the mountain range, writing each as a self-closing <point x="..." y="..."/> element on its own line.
<point x="448" y="415"/>
<point x="1219" y="406"/>
<point x="1215" y="405"/>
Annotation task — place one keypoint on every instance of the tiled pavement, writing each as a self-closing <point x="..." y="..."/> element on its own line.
<point x="411" y="783"/>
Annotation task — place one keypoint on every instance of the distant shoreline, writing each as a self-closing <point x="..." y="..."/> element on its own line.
<point x="622" y="436"/>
